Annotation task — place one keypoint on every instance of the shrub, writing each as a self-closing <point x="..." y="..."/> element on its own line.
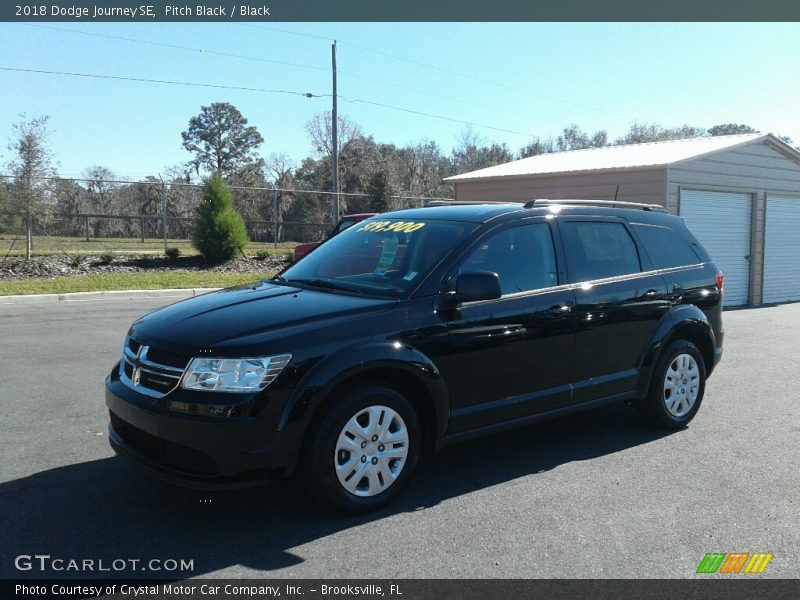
<point x="172" y="253"/>
<point x="106" y="258"/>
<point x="261" y="255"/>
<point x="219" y="230"/>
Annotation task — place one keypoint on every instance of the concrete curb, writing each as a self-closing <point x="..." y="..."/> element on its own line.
<point x="107" y="295"/>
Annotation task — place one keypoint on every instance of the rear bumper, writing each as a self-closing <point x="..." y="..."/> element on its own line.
<point x="196" y="452"/>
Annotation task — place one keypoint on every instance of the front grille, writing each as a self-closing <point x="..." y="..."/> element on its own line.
<point x="149" y="371"/>
<point x="167" y="358"/>
<point x="157" y="450"/>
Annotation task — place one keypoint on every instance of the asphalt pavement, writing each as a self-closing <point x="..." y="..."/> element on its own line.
<point x="597" y="494"/>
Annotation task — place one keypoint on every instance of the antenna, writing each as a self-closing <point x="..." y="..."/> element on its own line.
<point x="616" y="193"/>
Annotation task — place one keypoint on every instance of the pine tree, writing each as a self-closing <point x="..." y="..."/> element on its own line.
<point x="219" y="231"/>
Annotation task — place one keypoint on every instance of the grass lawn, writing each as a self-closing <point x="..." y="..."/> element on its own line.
<point x="44" y="245"/>
<point x="127" y="281"/>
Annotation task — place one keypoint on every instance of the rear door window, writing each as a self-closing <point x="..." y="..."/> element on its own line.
<point x="599" y="249"/>
<point x="666" y="248"/>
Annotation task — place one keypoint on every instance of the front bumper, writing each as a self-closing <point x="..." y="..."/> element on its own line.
<point x="193" y="451"/>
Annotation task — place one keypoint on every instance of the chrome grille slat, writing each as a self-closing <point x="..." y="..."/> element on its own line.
<point x="144" y="360"/>
<point x="139" y="364"/>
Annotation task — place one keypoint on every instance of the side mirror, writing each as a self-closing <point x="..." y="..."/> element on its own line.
<point x="477" y="285"/>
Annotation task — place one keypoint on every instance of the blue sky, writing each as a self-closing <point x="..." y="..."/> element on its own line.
<point x="600" y="76"/>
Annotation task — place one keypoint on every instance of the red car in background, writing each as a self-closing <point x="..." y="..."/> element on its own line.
<point x="346" y="221"/>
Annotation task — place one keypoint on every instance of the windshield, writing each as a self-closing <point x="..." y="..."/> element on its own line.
<point x="343" y="224"/>
<point x="379" y="256"/>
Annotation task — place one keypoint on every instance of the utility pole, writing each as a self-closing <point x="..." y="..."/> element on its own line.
<point x="335" y="141"/>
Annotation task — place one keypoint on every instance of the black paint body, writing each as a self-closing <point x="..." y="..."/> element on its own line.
<point x="469" y="369"/>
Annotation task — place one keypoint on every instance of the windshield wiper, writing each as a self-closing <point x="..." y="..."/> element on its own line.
<point x="326" y="284"/>
<point x="279" y="279"/>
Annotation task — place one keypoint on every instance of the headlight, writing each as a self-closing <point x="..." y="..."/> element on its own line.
<point x="233" y="374"/>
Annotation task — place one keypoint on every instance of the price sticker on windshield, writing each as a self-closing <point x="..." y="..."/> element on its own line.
<point x="395" y="226"/>
<point x="388" y="254"/>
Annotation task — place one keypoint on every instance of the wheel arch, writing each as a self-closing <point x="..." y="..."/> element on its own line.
<point x="685" y="322"/>
<point x="404" y="369"/>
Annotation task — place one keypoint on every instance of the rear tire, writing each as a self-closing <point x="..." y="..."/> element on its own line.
<point x="365" y="449"/>
<point x="677" y="386"/>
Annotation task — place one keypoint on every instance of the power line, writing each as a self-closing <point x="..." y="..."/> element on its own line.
<point x="448" y="71"/>
<point x="348" y="73"/>
<point x="307" y="35"/>
<point x="165" y="81"/>
<point x="418" y="91"/>
<point x="488" y="81"/>
<point x="252" y="89"/>
<point x="442" y="117"/>
<point x="242" y="88"/>
<point x="260" y="59"/>
<point x="179" y="47"/>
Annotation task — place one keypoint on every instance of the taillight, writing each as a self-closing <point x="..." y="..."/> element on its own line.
<point x="720" y="281"/>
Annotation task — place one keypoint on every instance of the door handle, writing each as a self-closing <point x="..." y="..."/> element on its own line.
<point x="650" y="294"/>
<point x="560" y="310"/>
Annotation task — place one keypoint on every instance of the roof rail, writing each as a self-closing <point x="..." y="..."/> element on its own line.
<point x="462" y="202"/>
<point x="606" y="203"/>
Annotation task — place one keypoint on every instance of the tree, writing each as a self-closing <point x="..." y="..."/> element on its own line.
<point x="473" y="152"/>
<point x="280" y="170"/>
<point x="219" y="231"/>
<point x="320" y="132"/>
<point x="221" y="140"/>
<point x="101" y="186"/>
<point x="640" y="133"/>
<point x="380" y="192"/>
<point x="29" y="169"/>
<point x="575" y="138"/>
<point x="536" y="147"/>
<point x="9" y="220"/>
<point x="730" y="129"/>
<point x="70" y="198"/>
<point x="421" y="167"/>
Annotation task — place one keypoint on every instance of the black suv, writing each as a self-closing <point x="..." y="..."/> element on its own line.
<point x="414" y="329"/>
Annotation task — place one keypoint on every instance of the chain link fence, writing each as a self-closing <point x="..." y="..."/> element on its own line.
<point x="81" y="216"/>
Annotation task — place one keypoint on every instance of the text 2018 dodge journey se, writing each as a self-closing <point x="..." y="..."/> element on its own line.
<point x="414" y="329"/>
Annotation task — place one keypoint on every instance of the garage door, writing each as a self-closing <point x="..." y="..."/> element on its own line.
<point x="782" y="250"/>
<point x="721" y="221"/>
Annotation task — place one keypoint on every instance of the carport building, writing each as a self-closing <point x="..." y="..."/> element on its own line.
<point x="739" y="194"/>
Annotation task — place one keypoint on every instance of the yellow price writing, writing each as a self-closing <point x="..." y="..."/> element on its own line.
<point x="398" y="226"/>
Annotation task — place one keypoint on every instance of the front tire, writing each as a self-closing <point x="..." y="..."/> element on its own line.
<point x="365" y="449"/>
<point x="677" y="386"/>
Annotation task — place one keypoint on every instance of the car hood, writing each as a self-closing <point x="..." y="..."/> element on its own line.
<point x="249" y="315"/>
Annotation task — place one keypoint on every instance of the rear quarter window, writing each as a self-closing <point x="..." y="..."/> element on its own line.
<point x="666" y="247"/>
<point x="599" y="249"/>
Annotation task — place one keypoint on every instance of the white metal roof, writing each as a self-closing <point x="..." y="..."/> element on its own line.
<point x="629" y="156"/>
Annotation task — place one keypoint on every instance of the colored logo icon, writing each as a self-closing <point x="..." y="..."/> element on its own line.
<point x="734" y="562"/>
